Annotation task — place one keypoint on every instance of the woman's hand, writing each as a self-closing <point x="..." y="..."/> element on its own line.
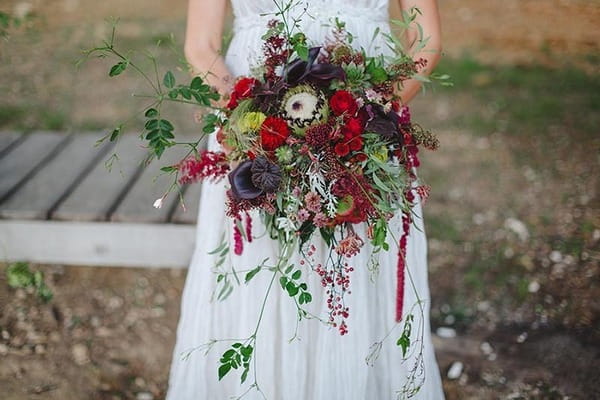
<point x="429" y="20"/>
<point x="203" y="38"/>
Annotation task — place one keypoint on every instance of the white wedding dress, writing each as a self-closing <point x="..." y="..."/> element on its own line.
<point x="320" y="364"/>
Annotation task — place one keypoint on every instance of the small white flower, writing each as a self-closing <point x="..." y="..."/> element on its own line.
<point x="373" y="96"/>
<point x="159" y="202"/>
<point x="286" y="224"/>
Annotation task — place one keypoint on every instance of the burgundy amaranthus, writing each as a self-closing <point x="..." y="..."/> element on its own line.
<point x="208" y="165"/>
<point x="275" y="52"/>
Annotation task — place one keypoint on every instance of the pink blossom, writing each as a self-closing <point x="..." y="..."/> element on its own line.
<point x="303" y="215"/>
<point x="320" y="220"/>
<point x="349" y="246"/>
<point x="313" y="201"/>
<point x="296" y="192"/>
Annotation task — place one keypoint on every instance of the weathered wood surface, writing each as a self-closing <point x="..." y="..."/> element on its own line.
<point x="191" y="201"/>
<point x="97" y="243"/>
<point x="25" y="159"/>
<point x="39" y="195"/>
<point x="102" y="190"/>
<point x="8" y="140"/>
<point x="152" y="184"/>
<point x="60" y="204"/>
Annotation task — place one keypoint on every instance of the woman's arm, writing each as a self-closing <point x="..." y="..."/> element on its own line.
<point x="429" y="20"/>
<point x="203" y="38"/>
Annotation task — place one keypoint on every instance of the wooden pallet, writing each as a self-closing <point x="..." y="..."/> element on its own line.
<point x="59" y="203"/>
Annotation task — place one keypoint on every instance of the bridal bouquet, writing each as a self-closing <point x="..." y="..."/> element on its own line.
<point x="314" y="142"/>
<point x="317" y="143"/>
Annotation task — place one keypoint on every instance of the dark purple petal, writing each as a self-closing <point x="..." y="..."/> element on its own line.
<point x="265" y="174"/>
<point x="385" y="124"/>
<point x="296" y="71"/>
<point x="326" y="72"/>
<point x="299" y="70"/>
<point x="241" y="182"/>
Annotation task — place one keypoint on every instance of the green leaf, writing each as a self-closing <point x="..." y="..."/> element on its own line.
<point x="251" y="274"/>
<point x="283" y="281"/>
<point x="169" y="80"/>
<point x="245" y="373"/>
<point x="228" y="355"/>
<point x="404" y="343"/>
<point x="292" y="289"/>
<point x="186" y="93"/>
<point x="169" y="168"/>
<point x="246" y="351"/>
<point x="165" y="125"/>
<point x="197" y="83"/>
<point x="151" y="113"/>
<point x="296" y="275"/>
<point x="302" y="51"/>
<point x="115" y="133"/>
<point x="151" y="124"/>
<point x="307" y="297"/>
<point x="118" y="68"/>
<point x="223" y="370"/>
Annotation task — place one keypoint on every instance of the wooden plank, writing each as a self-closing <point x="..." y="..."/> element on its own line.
<point x="22" y="162"/>
<point x="95" y="197"/>
<point x="38" y="195"/>
<point x="191" y="198"/>
<point x="97" y="243"/>
<point x="9" y="140"/>
<point x="152" y="184"/>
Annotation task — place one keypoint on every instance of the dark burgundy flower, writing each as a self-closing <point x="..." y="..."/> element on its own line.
<point x="318" y="136"/>
<point x="265" y="174"/>
<point x="383" y="123"/>
<point x="299" y="70"/>
<point x="242" y="186"/>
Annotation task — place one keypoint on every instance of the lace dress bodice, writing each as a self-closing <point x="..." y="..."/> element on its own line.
<point x="362" y="18"/>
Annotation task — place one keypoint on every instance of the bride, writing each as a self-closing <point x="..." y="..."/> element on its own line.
<point x="318" y="364"/>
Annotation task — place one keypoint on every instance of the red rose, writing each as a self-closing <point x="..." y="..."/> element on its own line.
<point x="341" y="149"/>
<point x="273" y="133"/>
<point x="241" y="90"/>
<point x="353" y="127"/>
<point x="356" y="144"/>
<point x="360" y="157"/>
<point x="342" y="102"/>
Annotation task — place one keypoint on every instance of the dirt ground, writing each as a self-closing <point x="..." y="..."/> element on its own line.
<point x="514" y="235"/>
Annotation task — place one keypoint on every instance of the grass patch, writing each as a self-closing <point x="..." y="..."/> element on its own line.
<point x="525" y="100"/>
<point x="442" y="227"/>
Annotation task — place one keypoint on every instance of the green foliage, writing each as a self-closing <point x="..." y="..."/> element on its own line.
<point x="18" y="275"/>
<point x="238" y="356"/>
<point x="291" y="284"/>
<point x="404" y="339"/>
<point x="158" y="133"/>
